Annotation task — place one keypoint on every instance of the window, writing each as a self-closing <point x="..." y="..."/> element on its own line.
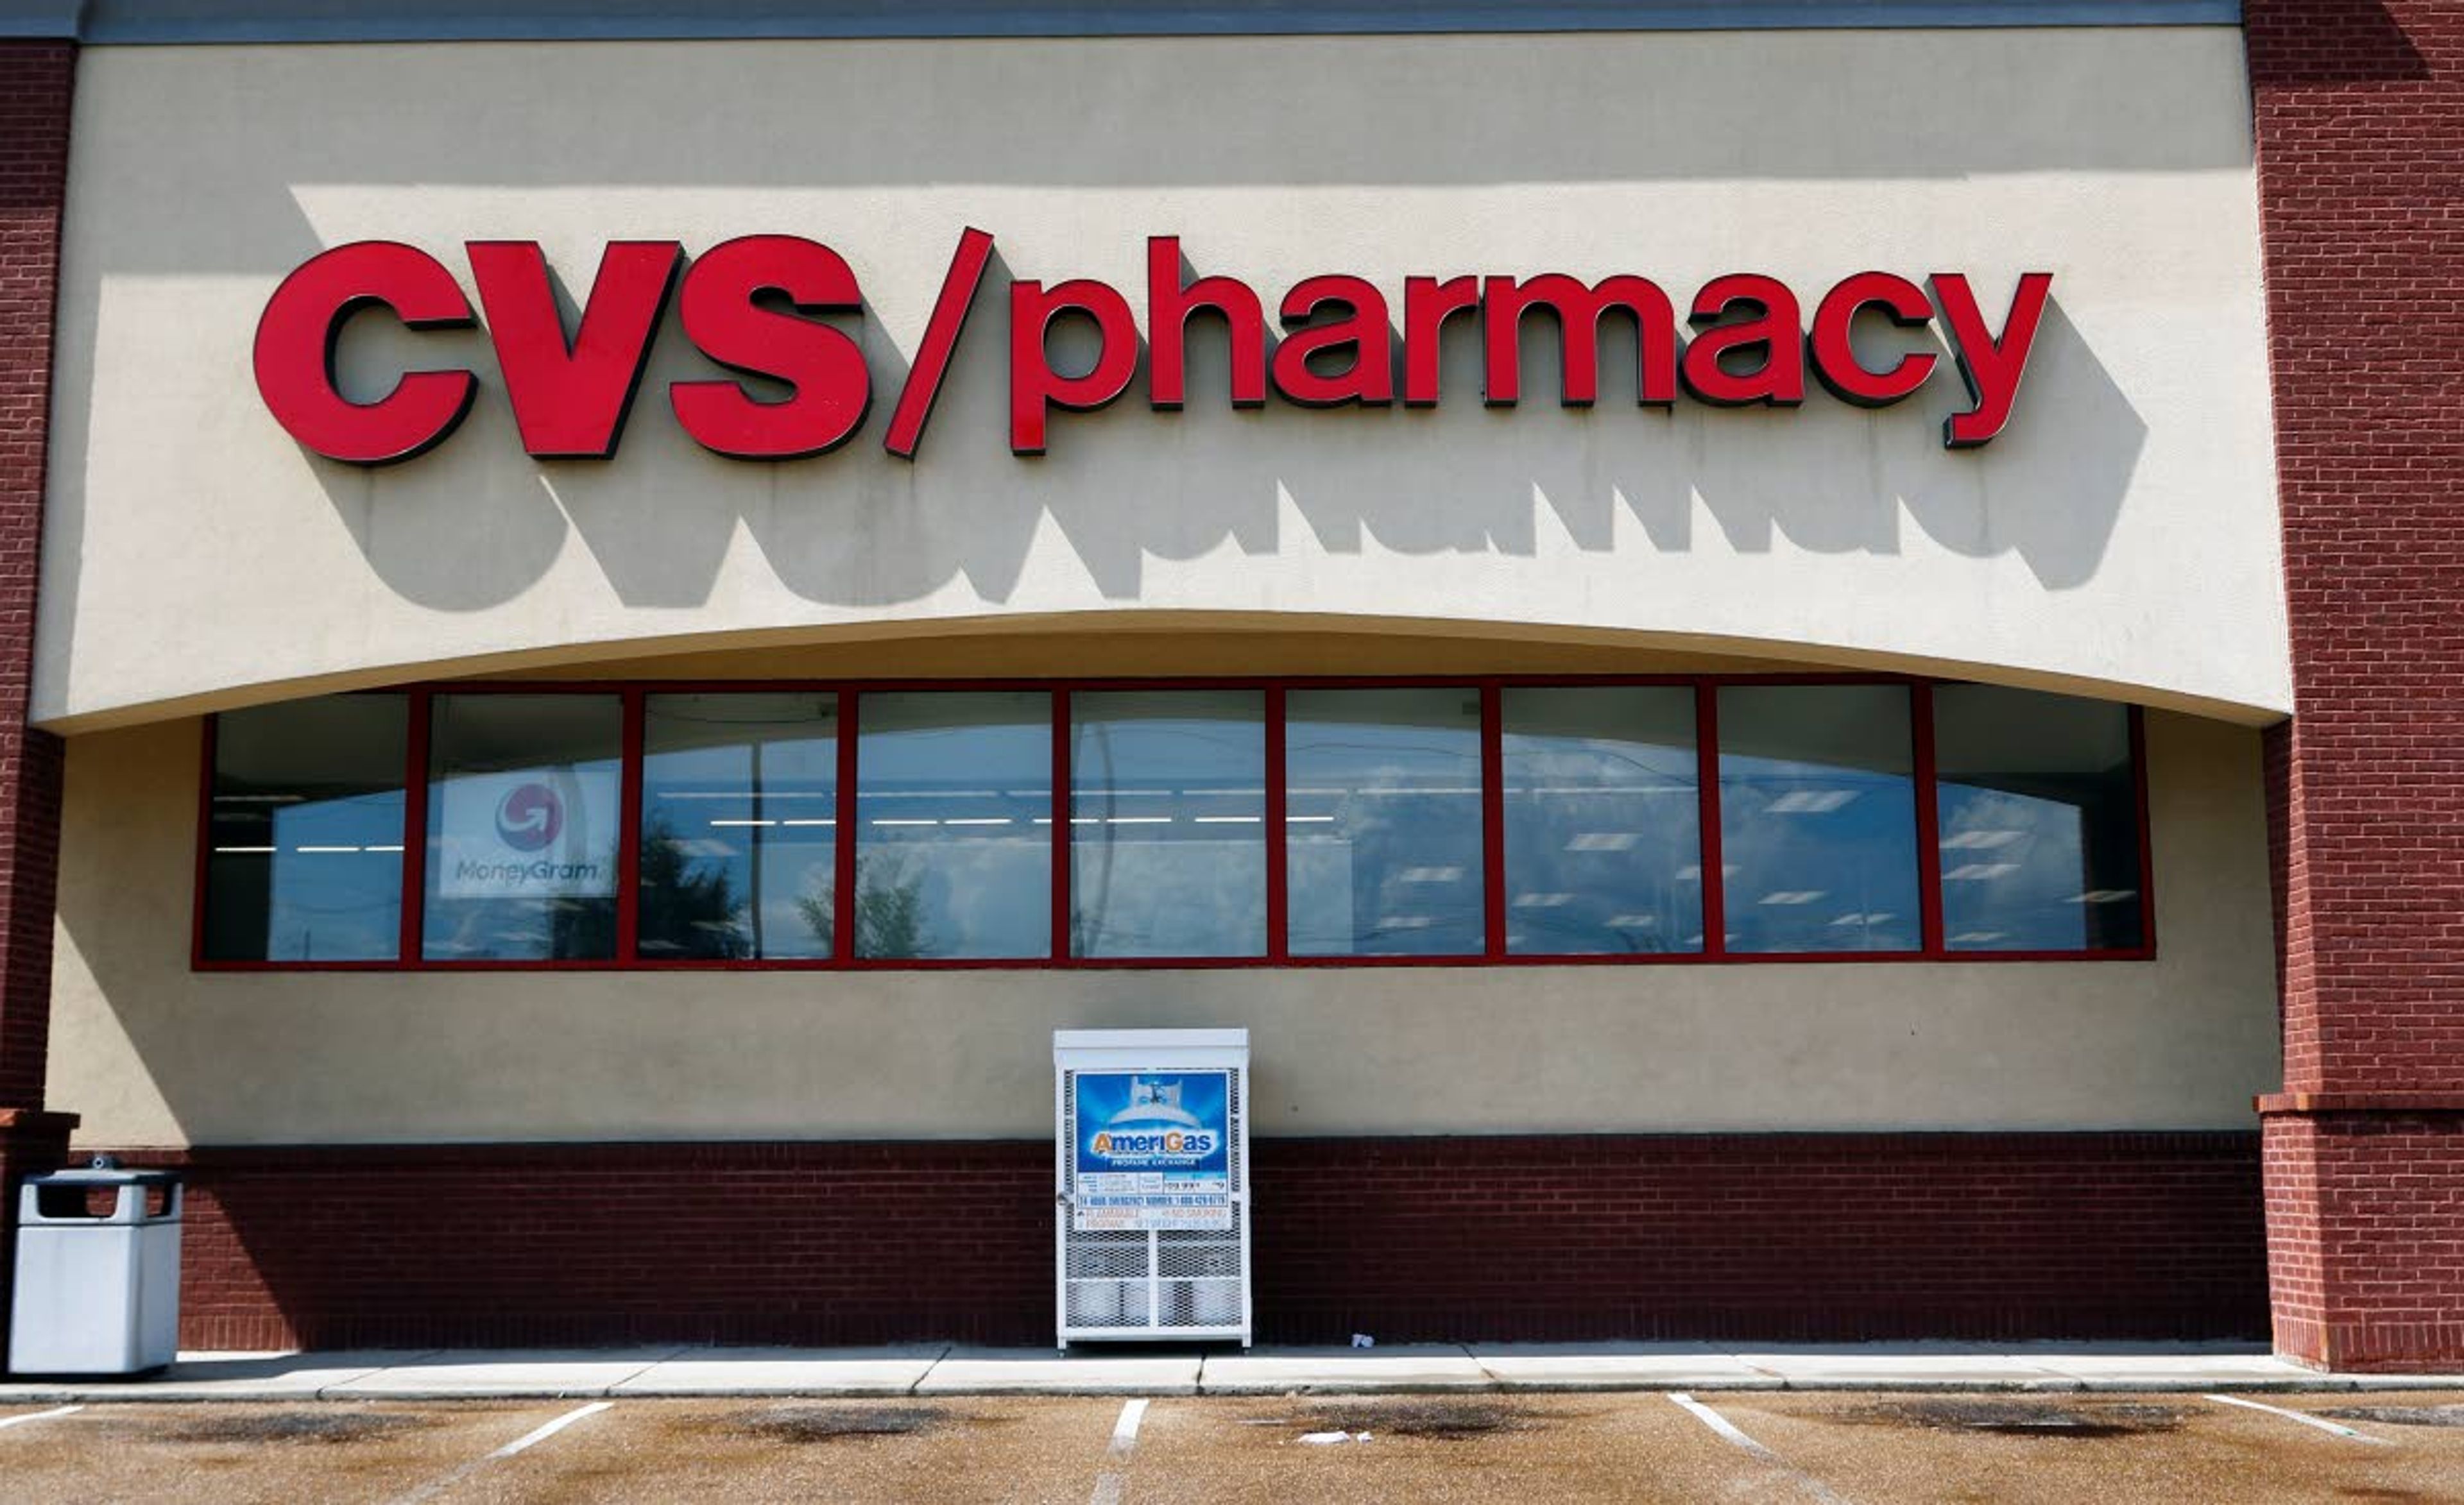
<point x="1316" y="823"/>
<point x="2039" y="821"/>
<point x="953" y="804"/>
<point x="522" y="827"/>
<point x="1817" y="819"/>
<point x="739" y="826"/>
<point x="1603" y="820"/>
<point x="1167" y="824"/>
<point x="1382" y="822"/>
<point x="303" y="832"/>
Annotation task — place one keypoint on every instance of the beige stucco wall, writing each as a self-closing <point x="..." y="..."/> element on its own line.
<point x="152" y="1053"/>
<point x="2120" y="535"/>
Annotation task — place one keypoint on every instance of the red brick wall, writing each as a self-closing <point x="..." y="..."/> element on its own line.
<point x="2360" y="127"/>
<point x="34" y="83"/>
<point x="1772" y="1237"/>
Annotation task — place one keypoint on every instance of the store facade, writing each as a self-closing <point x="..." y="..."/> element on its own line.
<point x="1693" y="628"/>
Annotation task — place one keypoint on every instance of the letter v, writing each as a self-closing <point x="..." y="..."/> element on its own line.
<point x="570" y="399"/>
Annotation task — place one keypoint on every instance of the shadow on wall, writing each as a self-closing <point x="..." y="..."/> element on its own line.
<point x="476" y="523"/>
<point x="2336" y="42"/>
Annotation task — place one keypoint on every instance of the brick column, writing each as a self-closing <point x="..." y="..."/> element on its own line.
<point x="34" y="84"/>
<point x="2359" y="108"/>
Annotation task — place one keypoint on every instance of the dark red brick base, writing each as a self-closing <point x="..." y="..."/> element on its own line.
<point x="1746" y="1237"/>
<point x="2366" y="1214"/>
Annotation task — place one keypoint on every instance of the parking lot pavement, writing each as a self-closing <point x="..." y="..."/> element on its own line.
<point x="752" y="1452"/>
<point x="1877" y="1447"/>
<point x="1481" y="1449"/>
<point x="224" y="1455"/>
<point x="1905" y="1450"/>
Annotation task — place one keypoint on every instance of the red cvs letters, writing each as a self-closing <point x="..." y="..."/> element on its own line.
<point x="779" y="313"/>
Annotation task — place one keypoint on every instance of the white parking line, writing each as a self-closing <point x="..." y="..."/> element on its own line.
<point x="1125" y="1432"/>
<point x="1729" y="1432"/>
<point x="541" y="1434"/>
<point x="1125" y="1436"/>
<point x="2338" y="1428"/>
<point x="527" y="1440"/>
<point x="39" y="1416"/>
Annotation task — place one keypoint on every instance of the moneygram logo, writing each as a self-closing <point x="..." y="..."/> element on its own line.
<point x="529" y="818"/>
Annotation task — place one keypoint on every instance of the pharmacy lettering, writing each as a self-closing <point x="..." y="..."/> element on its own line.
<point x="1154" y="1151"/>
<point x="779" y="308"/>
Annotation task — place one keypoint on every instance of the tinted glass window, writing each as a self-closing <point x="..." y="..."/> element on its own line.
<point x="1382" y="822"/>
<point x="1817" y="819"/>
<point x="1167" y="824"/>
<point x="2039" y="816"/>
<point x="1603" y="815"/>
<point x="953" y="808"/>
<point x="740" y="826"/>
<point x="524" y="803"/>
<point x="304" y="835"/>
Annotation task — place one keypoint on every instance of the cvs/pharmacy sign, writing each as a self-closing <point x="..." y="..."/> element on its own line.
<point x="782" y="309"/>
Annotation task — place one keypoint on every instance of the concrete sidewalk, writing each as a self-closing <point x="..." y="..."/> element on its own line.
<point x="1127" y="1369"/>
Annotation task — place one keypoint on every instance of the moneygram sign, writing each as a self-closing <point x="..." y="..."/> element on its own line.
<point x="779" y="308"/>
<point x="530" y="834"/>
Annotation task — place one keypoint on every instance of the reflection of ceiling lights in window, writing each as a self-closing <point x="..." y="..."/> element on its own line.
<point x="1692" y="872"/>
<point x="1975" y="937"/>
<point x="1809" y="802"/>
<point x="1603" y="842"/>
<point x="2107" y="896"/>
<point x="1227" y="820"/>
<point x="1407" y="922"/>
<point x="1876" y="918"/>
<point x="1636" y="921"/>
<point x="1429" y="875"/>
<point x="1542" y="900"/>
<point x="1978" y="872"/>
<point x="1979" y="840"/>
<point x="1793" y="895"/>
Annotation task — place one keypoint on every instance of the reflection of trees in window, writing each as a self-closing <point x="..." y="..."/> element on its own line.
<point x="889" y="909"/>
<point x="688" y="909"/>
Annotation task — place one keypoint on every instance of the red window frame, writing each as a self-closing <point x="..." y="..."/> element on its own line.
<point x="1278" y="955"/>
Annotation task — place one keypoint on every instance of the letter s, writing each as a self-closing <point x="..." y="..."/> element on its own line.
<point x="726" y="322"/>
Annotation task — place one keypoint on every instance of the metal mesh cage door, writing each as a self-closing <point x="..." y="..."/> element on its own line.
<point x="1156" y="1255"/>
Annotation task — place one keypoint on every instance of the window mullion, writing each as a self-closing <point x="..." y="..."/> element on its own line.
<point x="414" y="820"/>
<point x="1928" y="822"/>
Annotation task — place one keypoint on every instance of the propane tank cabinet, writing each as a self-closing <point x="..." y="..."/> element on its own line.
<point x="1152" y="1180"/>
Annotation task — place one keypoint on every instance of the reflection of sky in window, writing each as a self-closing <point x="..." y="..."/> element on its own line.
<point x="743" y="790"/>
<point x="1817" y="819"/>
<point x="2039" y="822"/>
<point x="305" y="837"/>
<point x="337" y="890"/>
<point x="1382" y="822"/>
<point x="1167" y="841"/>
<point x="953" y="806"/>
<point x="1602" y="819"/>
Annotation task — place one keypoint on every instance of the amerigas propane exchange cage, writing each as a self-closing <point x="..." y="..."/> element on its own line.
<point x="1152" y="1174"/>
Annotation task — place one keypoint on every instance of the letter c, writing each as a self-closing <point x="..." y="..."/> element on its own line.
<point x="295" y="354"/>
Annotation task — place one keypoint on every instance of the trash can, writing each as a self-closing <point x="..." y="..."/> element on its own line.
<point x="98" y="1289"/>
